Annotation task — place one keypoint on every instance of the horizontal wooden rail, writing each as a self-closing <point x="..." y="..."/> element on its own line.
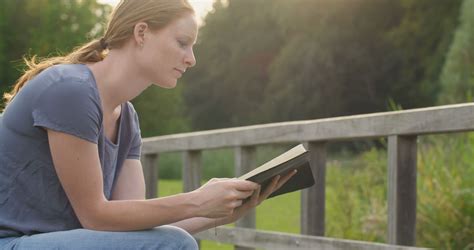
<point x="275" y="240"/>
<point x="440" y="119"/>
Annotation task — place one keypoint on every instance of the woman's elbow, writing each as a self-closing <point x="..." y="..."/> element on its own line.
<point x="95" y="218"/>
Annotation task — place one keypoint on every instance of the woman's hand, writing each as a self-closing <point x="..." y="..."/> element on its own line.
<point x="219" y="197"/>
<point x="257" y="198"/>
<point x="224" y="201"/>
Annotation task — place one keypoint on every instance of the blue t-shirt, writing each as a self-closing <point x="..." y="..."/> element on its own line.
<point x="63" y="98"/>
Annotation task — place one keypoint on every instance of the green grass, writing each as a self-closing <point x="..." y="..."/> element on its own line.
<point x="356" y="195"/>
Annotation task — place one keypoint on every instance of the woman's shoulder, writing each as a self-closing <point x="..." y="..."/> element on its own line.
<point x="132" y="116"/>
<point x="64" y="78"/>
<point x="71" y="72"/>
<point x="130" y="111"/>
<point x="130" y="108"/>
<point x="67" y="86"/>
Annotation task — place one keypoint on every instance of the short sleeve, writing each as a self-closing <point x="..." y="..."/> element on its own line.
<point x="71" y="106"/>
<point x="136" y="143"/>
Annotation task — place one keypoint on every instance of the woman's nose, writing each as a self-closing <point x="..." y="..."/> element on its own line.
<point x="190" y="60"/>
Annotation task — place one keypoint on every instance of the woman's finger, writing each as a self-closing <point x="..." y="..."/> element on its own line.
<point x="244" y="194"/>
<point x="236" y="203"/>
<point x="243" y="185"/>
<point x="269" y="189"/>
<point x="276" y="183"/>
<point x="255" y="197"/>
<point x="285" y="178"/>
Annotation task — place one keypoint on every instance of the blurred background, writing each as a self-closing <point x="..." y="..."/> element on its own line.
<point x="263" y="61"/>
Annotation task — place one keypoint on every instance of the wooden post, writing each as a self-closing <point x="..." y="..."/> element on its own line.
<point x="150" y="170"/>
<point x="245" y="160"/>
<point x="191" y="170"/>
<point x="313" y="199"/>
<point x="402" y="152"/>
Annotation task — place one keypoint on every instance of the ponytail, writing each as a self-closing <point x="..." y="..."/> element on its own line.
<point x="91" y="52"/>
<point x="157" y="13"/>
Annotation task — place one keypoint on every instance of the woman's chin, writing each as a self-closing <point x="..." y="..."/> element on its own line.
<point x="167" y="85"/>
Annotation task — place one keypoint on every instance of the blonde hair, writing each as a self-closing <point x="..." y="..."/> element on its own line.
<point x="156" y="13"/>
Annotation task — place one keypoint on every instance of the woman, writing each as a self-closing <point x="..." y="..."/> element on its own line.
<point x="70" y="175"/>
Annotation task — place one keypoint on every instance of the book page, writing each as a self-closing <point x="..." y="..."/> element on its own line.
<point x="288" y="155"/>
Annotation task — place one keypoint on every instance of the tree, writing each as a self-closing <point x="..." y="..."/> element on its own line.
<point x="421" y="43"/>
<point x="234" y="51"/>
<point x="161" y="111"/>
<point x="274" y="60"/>
<point x="55" y="27"/>
<point x="457" y="79"/>
<point x="334" y="61"/>
<point x="44" y="28"/>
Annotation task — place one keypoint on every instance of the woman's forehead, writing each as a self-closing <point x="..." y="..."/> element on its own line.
<point x="185" y="26"/>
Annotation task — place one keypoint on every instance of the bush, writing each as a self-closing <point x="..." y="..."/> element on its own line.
<point x="445" y="216"/>
<point x="357" y="194"/>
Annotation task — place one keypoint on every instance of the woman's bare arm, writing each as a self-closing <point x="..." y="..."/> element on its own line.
<point x="78" y="167"/>
<point x="130" y="183"/>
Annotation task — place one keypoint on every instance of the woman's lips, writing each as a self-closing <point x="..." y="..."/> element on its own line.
<point x="180" y="72"/>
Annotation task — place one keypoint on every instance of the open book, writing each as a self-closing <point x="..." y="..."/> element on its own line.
<point x="295" y="158"/>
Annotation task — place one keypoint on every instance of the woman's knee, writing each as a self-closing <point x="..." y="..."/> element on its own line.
<point x="184" y="240"/>
<point x="162" y="238"/>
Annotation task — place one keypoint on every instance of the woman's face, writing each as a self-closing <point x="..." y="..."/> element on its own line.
<point x="167" y="53"/>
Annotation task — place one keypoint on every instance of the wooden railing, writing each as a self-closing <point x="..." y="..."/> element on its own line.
<point x="401" y="128"/>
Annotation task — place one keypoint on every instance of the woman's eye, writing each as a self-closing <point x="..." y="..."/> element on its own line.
<point x="182" y="44"/>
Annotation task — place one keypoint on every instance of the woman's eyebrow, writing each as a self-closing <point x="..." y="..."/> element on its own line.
<point x="188" y="38"/>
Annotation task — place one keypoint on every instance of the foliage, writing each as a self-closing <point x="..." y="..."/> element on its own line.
<point x="421" y="42"/>
<point x="445" y="218"/>
<point x="55" y="27"/>
<point x="331" y="63"/>
<point x="161" y="111"/>
<point x="43" y="28"/>
<point x="458" y="71"/>
<point x="445" y="207"/>
<point x="361" y="212"/>
<point x="276" y="60"/>
<point x="233" y="60"/>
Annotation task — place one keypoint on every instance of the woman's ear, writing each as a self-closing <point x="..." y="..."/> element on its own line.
<point x="139" y="33"/>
